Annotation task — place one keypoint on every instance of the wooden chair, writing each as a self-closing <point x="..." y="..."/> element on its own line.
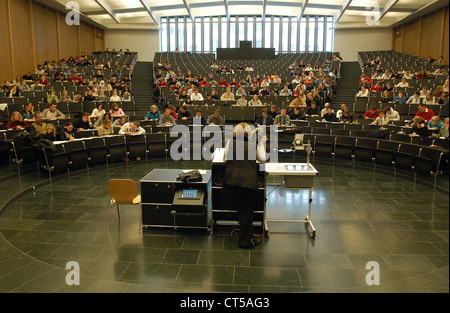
<point x="123" y="191"/>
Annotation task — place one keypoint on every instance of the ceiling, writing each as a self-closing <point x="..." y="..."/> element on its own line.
<point x="146" y="14"/>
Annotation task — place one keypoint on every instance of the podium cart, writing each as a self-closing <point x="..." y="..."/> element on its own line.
<point x="296" y="176"/>
<point x="168" y="202"/>
<point x="223" y="211"/>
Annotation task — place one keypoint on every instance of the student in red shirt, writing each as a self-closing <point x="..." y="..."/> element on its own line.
<point x="204" y="82"/>
<point x="376" y="88"/>
<point x="75" y="78"/>
<point x="424" y="112"/>
<point x="43" y="81"/>
<point x="373" y="113"/>
<point x="223" y="83"/>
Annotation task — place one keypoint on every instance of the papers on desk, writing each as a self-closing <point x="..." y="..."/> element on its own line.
<point x="3" y="106"/>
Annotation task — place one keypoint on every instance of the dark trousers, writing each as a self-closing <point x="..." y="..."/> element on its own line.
<point x="245" y="203"/>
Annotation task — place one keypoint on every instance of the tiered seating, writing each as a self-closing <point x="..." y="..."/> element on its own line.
<point x="38" y="96"/>
<point x="400" y="62"/>
<point x="200" y="64"/>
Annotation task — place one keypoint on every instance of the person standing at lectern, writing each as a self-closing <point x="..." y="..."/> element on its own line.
<point x="241" y="179"/>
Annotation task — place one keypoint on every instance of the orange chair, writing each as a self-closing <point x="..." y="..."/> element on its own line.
<point x="123" y="191"/>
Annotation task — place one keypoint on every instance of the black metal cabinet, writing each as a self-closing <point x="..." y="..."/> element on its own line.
<point x="158" y="190"/>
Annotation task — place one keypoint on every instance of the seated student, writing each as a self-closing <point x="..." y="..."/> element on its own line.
<point x="329" y="116"/>
<point x="223" y="83"/>
<point x="90" y="96"/>
<point x="184" y="113"/>
<point x="296" y="114"/>
<point x="254" y="91"/>
<point x="115" y="97"/>
<point x="196" y="96"/>
<point x="313" y="110"/>
<point x="198" y="119"/>
<point x="264" y="92"/>
<point x="215" y="119"/>
<point x="363" y="92"/>
<point x="99" y="121"/>
<point x="400" y="97"/>
<point x="132" y="129"/>
<point x="37" y="127"/>
<point x="325" y="108"/>
<point x="285" y="92"/>
<point x="106" y="128"/>
<point x="209" y="100"/>
<point x="118" y="123"/>
<point x="49" y="132"/>
<point x="98" y="112"/>
<point x="298" y="102"/>
<point x="255" y="101"/>
<point x="391" y="114"/>
<point x="414" y="99"/>
<point x="227" y="96"/>
<point x="53" y="113"/>
<point x="242" y="101"/>
<point x="346" y="117"/>
<point x="65" y="97"/>
<point x="403" y="83"/>
<point x="444" y="130"/>
<point x="240" y="92"/>
<point x="435" y="124"/>
<point x="167" y="119"/>
<point x="282" y="119"/>
<point x="381" y="120"/>
<point x="84" y="123"/>
<point x="153" y="114"/>
<point x="264" y="118"/>
<point x="424" y="112"/>
<point x="16" y="122"/>
<point x="372" y="113"/>
<point x="28" y="113"/>
<point x="376" y="88"/>
<point x="116" y="111"/>
<point x="67" y="133"/>
<point x="420" y="127"/>
<point x="429" y="99"/>
<point x="385" y="97"/>
<point x="273" y="111"/>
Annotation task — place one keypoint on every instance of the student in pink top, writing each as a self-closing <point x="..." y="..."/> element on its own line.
<point x="116" y="111"/>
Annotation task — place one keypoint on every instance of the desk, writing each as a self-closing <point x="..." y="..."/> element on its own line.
<point x="297" y="176"/>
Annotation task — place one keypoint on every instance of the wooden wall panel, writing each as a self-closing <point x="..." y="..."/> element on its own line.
<point x="410" y="37"/>
<point x="433" y="30"/>
<point x="45" y="33"/>
<point x="30" y="33"/>
<point x="22" y="37"/>
<point x="68" y="38"/>
<point x="445" y="44"/>
<point x="99" y="42"/>
<point x="87" y="38"/>
<point x="431" y="34"/>
<point x="5" y="52"/>
<point x="397" y="41"/>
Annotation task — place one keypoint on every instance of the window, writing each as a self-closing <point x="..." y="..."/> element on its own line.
<point x="267" y="33"/>
<point x="224" y="33"/>
<point x="232" y="33"/>
<point x="172" y="35"/>
<point x="276" y="34"/>
<point x="250" y="24"/>
<point x="311" y="34"/>
<point x="181" y="34"/>
<point x="329" y="34"/>
<point x="320" y="33"/>
<point x="294" y="23"/>
<point x="198" y="35"/>
<point x="285" y="34"/>
<point x="206" y="36"/>
<point x="189" y="35"/>
<point x="163" y="35"/>
<point x="259" y="33"/>
<point x="302" y="47"/>
<point x="215" y="33"/>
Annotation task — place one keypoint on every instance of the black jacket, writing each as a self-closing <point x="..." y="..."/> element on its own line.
<point x="241" y="173"/>
<point x="260" y="120"/>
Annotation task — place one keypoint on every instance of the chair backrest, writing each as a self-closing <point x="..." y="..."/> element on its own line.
<point x="123" y="191"/>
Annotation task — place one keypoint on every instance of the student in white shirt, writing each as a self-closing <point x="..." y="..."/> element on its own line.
<point x="403" y="83"/>
<point x="196" y="96"/>
<point x="115" y="97"/>
<point x="363" y="92"/>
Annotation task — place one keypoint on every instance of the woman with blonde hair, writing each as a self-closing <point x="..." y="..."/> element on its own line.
<point x="49" y="132"/>
<point x="16" y="122"/>
<point x="153" y="114"/>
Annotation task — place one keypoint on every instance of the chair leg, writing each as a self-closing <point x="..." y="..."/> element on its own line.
<point x="109" y="216"/>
